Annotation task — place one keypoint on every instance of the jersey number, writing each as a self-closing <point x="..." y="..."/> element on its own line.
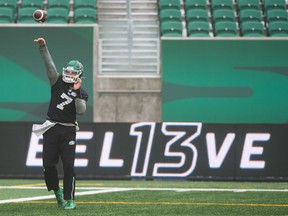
<point x="67" y="101"/>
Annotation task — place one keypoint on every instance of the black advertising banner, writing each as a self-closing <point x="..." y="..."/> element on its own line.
<point x="149" y="150"/>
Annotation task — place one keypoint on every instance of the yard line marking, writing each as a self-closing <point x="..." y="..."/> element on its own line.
<point x="53" y="196"/>
<point x="98" y="190"/>
<point x="159" y="189"/>
<point x="27" y="199"/>
<point x="23" y="187"/>
<point x="190" y="203"/>
<point x="169" y="203"/>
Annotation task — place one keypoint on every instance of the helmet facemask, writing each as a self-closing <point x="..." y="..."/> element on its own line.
<point x="72" y="71"/>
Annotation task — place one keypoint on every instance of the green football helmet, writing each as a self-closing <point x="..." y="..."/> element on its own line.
<point x="72" y="71"/>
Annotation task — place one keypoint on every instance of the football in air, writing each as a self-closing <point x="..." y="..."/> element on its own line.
<point x="40" y="16"/>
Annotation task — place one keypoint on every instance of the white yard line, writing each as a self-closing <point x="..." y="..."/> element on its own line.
<point x="53" y="196"/>
<point x="157" y="189"/>
<point x="98" y="190"/>
<point x="26" y="199"/>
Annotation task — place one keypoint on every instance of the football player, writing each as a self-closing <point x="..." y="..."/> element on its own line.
<point x="59" y="131"/>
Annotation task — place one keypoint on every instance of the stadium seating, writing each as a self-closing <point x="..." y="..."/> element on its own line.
<point x="225" y="29"/>
<point x="59" y="4"/>
<point x="195" y="4"/>
<point x="274" y="4"/>
<point x="165" y="4"/>
<point x="85" y="15"/>
<point x="171" y="28"/>
<point x="25" y="15"/>
<point x="250" y="15"/>
<point x="198" y="29"/>
<point x="36" y="4"/>
<point x="7" y="15"/>
<point x="170" y="14"/>
<point x="276" y="15"/>
<point x="223" y="18"/>
<point x="197" y="15"/>
<point x="248" y="5"/>
<point x="170" y="18"/>
<point x="9" y="3"/>
<point x="252" y="29"/>
<point x="58" y="15"/>
<point x="222" y="4"/>
<point x="223" y="15"/>
<point x="85" y="4"/>
<point x="278" y="29"/>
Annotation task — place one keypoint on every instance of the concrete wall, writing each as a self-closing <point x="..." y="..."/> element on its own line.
<point x="119" y="98"/>
<point x="127" y="99"/>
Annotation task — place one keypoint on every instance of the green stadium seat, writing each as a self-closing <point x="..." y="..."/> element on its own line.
<point x="274" y="4"/>
<point x="278" y="29"/>
<point x="171" y="29"/>
<point x="225" y="29"/>
<point x="252" y="29"/>
<point x="223" y="15"/>
<point x="59" y="4"/>
<point x="276" y="15"/>
<point x="195" y="4"/>
<point x="7" y="15"/>
<point x="58" y="15"/>
<point x="85" y="15"/>
<point x="198" y="29"/>
<point x="170" y="14"/>
<point x="165" y="4"/>
<point x="250" y="15"/>
<point x="25" y="15"/>
<point x="222" y="4"/>
<point x="248" y="4"/>
<point x="85" y="4"/>
<point x="197" y="15"/>
<point x="9" y="3"/>
<point x="37" y="4"/>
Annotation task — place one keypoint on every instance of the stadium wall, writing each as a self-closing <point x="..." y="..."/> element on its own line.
<point x="215" y="80"/>
<point x="23" y="74"/>
<point x="225" y="80"/>
<point x="127" y="99"/>
<point x="112" y="98"/>
<point x="149" y="150"/>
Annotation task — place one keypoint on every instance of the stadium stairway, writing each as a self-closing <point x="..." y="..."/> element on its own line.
<point x="129" y="36"/>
